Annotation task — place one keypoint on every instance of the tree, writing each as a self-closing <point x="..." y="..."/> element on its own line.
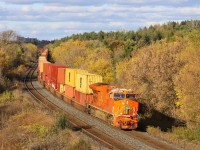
<point x="188" y="82"/>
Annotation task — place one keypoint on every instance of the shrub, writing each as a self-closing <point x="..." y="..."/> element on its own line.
<point x="62" y="122"/>
<point x="6" y="97"/>
<point x="153" y="130"/>
<point x="81" y="145"/>
<point x="186" y="133"/>
<point x="40" y="130"/>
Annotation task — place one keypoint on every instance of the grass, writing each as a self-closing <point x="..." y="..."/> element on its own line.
<point x="185" y="133"/>
<point x="182" y="136"/>
<point x="80" y="145"/>
<point x="25" y="126"/>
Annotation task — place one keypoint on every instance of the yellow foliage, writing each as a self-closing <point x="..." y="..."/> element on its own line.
<point x="6" y="97"/>
<point x="38" y="129"/>
<point x="29" y="46"/>
<point x="188" y="81"/>
<point x="151" y="72"/>
<point x="67" y="52"/>
<point x="84" y="55"/>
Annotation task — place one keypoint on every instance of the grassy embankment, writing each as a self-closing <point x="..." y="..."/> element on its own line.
<point x="187" y="138"/>
<point x="24" y="125"/>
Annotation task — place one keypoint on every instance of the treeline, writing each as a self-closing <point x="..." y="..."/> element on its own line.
<point x="34" y="41"/>
<point x="142" y="37"/>
<point x="160" y="62"/>
<point x="14" y="56"/>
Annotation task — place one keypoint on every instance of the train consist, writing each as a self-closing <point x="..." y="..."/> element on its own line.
<point x="116" y="106"/>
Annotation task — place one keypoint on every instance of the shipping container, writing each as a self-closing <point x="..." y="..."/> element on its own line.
<point x="70" y="76"/>
<point x="41" y="65"/>
<point x="46" y="68"/>
<point x="83" y="98"/>
<point x="61" y="88"/>
<point x="54" y="70"/>
<point x="77" y="96"/>
<point x="54" y="74"/>
<point x="42" y="58"/>
<point x="69" y="91"/>
<point x="40" y="75"/>
<point x="61" y="75"/>
<point x="46" y="72"/>
<point x="44" y="53"/>
<point x="47" y="80"/>
<point x="53" y="84"/>
<point x="43" y="76"/>
<point x="83" y="80"/>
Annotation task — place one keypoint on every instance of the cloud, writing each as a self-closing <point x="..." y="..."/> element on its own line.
<point x="26" y="8"/>
<point x="92" y="2"/>
<point x="49" y="18"/>
<point x="2" y="27"/>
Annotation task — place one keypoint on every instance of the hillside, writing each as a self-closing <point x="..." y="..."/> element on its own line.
<point x="160" y="62"/>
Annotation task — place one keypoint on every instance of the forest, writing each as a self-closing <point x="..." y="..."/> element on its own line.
<point x="23" y="124"/>
<point x="160" y="62"/>
<point x="15" y="56"/>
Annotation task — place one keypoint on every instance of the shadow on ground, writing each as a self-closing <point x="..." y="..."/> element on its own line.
<point x="157" y="119"/>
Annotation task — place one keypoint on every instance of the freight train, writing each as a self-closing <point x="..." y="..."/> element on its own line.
<point x="87" y="92"/>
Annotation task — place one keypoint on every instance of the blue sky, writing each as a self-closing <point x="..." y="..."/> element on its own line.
<point x="54" y="19"/>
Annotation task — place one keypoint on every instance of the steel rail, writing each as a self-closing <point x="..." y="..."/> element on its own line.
<point x="75" y="123"/>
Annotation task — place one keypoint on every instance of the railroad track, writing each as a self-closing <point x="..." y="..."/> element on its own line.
<point x="76" y="124"/>
<point x="120" y="140"/>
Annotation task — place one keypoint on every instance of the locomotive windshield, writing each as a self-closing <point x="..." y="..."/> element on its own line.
<point x="131" y="96"/>
<point x="119" y="96"/>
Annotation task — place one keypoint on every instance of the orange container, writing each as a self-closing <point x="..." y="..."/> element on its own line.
<point x="40" y="75"/>
<point x="43" y="76"/>
<point x="83" y="98"/>
<point x="58" y="87"/>
<point x="41" y="65"/>
<point x="69" y="91"/>
<point x="77" y="96"/>
<point x="61" y="76"/>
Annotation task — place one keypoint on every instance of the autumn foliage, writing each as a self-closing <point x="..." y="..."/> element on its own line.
<point x="161" y="63"/>
<point x="14" y="56"/>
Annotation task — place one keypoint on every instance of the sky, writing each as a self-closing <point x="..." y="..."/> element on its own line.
<point x="54" y="19"/>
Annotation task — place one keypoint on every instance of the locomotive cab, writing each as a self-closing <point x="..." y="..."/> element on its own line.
<point x="116" y="106"/>
<point x="125" y="108"/>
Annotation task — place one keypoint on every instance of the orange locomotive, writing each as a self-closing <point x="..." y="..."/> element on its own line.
<point x="116" y="106"/>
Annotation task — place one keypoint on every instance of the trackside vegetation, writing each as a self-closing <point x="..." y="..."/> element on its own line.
<point x="160" y="62"/>
<point x="24" y="125"/>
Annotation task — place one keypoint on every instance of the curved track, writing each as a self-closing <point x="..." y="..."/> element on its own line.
<point x="76" y="124"/>
<point x="111" y="141"/>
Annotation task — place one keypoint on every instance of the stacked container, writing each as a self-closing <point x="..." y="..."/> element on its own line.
<point x="61" y="80"/>
<point x="42" y="60"/>
<point x="54" y="74"/>
<point x="83" y="93"/>
<point x="44" y="52"/>
<point x="70" y="81"/>
<point x="46" y="73"/>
